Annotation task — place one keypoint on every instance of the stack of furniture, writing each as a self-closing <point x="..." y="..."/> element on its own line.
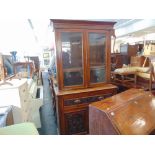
<point x="116" y="61"/>
<point x="21" y="94"/>
<point x="149" y="48"/>
<point x="36" y="101"/>
<point x="24" y="69"/>
<point x="83" y="71"/>
<point x="127" y="51"/>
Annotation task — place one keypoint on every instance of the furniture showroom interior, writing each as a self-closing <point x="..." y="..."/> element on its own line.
<point x="77" y="77"/>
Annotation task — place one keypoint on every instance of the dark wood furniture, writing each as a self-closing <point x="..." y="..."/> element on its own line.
<point x="83" y="70"/>
<point x="139" y="61"/>
<point x="130" y="50"/>
<point x="72" y="107"/>
<point x="127" y="51"/>
<point x="6" y="67"/>
<point x="131" y="112"/>
<point x="24" y="69"/>
<point x="36" y="61"/>
<point x="9" y="120"/>
<point x="116" y="61"/>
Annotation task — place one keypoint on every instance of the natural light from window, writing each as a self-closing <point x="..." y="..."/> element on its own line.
<point x="18" y="35"/>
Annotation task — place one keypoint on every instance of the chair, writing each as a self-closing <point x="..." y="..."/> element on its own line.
<point x="148" y="75"/>
<point x="127" y="75"/>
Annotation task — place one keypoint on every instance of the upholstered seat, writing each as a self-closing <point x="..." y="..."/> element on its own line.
<point x="124" y="72"/>
<point x="132" y="69"/>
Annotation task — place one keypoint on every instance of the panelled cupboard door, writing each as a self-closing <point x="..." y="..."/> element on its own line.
<point x="76" y="122"/>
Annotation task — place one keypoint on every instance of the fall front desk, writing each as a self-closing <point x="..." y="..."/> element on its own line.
<point x="129" y="113"/>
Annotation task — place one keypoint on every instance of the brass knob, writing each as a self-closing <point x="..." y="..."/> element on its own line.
<point x="77" y="101"/>
<point x="100" y="97"/>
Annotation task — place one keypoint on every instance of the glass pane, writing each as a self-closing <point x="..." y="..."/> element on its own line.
<point x="97" y="57"/>
<point x="97" y="75"/>
<point x="72" y="57"/>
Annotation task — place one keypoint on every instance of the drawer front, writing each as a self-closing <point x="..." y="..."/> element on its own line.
<point x="75" y="101"/>
<point x="86" y="100"/>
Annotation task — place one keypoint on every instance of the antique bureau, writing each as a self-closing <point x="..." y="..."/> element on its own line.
<point x="129" y="113"/>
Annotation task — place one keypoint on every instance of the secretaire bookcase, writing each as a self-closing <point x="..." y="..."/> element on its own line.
<point x="82" y="58"/>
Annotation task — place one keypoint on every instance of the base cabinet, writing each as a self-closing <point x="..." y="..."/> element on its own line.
<point x="72" y="108"/>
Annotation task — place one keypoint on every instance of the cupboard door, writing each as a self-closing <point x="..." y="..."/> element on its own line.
<point x="76" y="122"/>
<point x="72" y="58"/>
<point x="97" y="51"/>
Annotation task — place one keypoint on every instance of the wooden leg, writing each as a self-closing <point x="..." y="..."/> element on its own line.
<point x="135" y="80"/>
<point x="150" y="83"/>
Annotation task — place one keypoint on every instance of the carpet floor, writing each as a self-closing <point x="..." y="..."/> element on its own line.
<point x="48" y="119"/>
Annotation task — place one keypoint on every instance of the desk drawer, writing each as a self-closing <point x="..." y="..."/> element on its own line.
<point x="85" y="100"/>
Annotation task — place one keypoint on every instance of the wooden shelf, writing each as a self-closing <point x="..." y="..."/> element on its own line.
<point x="97" y="67"/>
<point x="72" y="69"/>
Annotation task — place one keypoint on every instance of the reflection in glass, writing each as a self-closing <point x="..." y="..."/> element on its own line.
<point x="97" y="75"/>
<point x="73" y="78"/>
<point x="72" y="57"/>
<point x="97" y="57"/>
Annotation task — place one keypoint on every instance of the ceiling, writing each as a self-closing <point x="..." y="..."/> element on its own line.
<point x="133" y="27"/>
<point x="123" y="27"/>
<point x="36" y="35"/>
<point x="119" y="22"/>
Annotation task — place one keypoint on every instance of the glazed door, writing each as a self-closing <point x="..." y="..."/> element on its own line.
<point x="96" y="57"/>
<point x="72" y="57"/>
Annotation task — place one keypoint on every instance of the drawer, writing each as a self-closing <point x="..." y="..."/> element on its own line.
<point x="95" y="98"/>
<point x="75" y="101"/>
<point x="86" y="100"/>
